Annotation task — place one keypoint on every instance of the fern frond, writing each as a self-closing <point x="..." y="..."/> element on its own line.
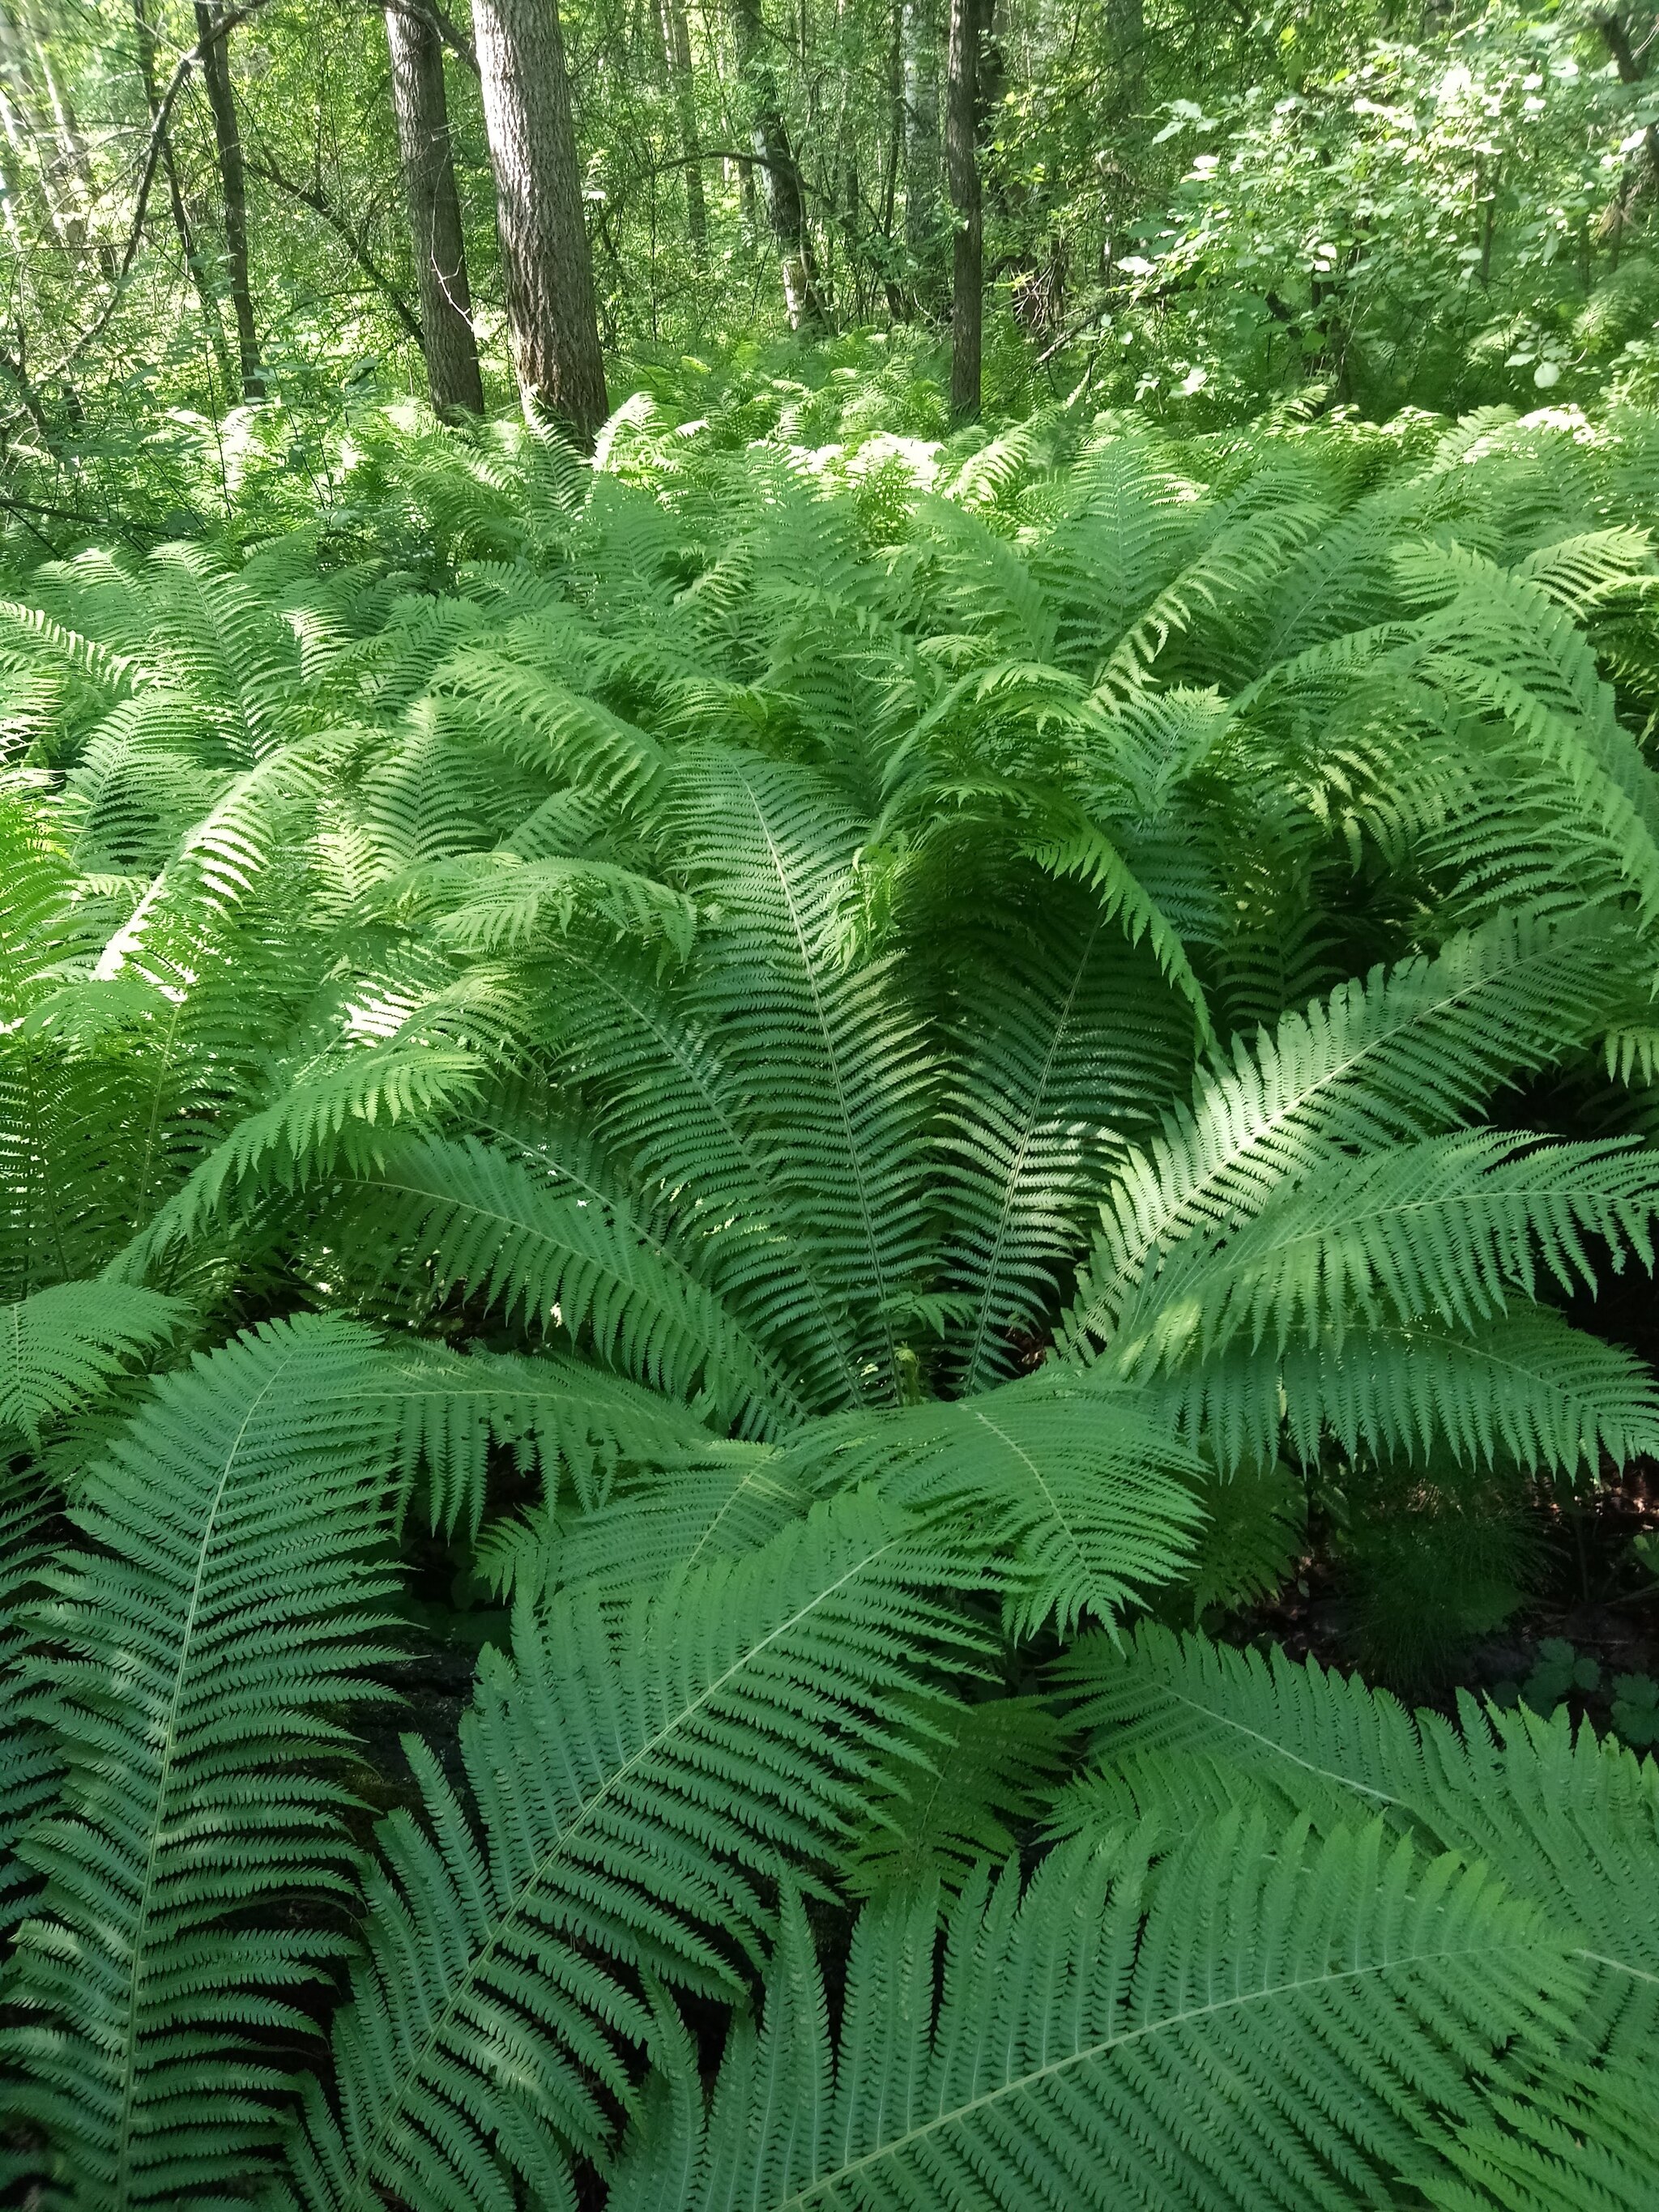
<point x="1524" y="1384"/>
<point x="831" y="1055"/>
<point x="1447" y="1229"/>
<point x="466" y="1214"/>
<point x="287" y="1145"/>
<point x="1575" y="2140"/>
<point x="656" y="1526"/>
<point x="1092" y="1504"/>
<point x="641" y="1775"/>
<point x="1567" y="1822"/>
<point x="199" y="1647"/>
<point x="504" y="902"/>
<point x="1410" y="1050"/>
<point x="1063" y="1050"/>
<point x="986" y="1780"/>
<point x="1260" y="2020"/>
<point x="571" y="1422"/>
<point x="60" y="1349"/>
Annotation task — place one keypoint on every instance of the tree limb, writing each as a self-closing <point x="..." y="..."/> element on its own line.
<point x="314" y="197"/>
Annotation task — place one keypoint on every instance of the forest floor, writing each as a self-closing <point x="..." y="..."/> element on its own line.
<point x="1594" y="1594"/>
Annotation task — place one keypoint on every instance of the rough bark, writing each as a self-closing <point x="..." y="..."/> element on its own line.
<point x="962" y="177"/>
<point x="215" y="43"/>
<point x="552" y="319"/>
<point x="780" y="178"/>
<point x="921" y="42"/>
<point x="435" y="213"/>
<point x="676" y="52"/>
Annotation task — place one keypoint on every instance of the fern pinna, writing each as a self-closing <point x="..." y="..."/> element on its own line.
<point x="843" y="1101"/>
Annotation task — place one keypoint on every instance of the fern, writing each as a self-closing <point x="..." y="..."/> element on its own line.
<point x="60" y="1349"/>
<point x="1568" y="1823"/>
<point x="639" y="1774"/>
<point x="1255" y="2021"/>
<point x="197" y="1648"/>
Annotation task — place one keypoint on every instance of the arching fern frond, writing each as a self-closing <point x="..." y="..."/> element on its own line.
<point x="656" y="1526"/>
<point x="1092" y="1504"/>
<point x="1567" y="1822"/>
<point x="1406" y="1051"/>
<point x="1449" y="1229"/>
<point x="1260" y="2021"/>
<point x="1569" y="2139"/>
<point x="1064" y="1049"/>
<point x="465" y="1214"/>
<point x="837" y="1064"/>
<point x="1525" y="1384"/>
<point x="199" y="1647"/>
<point x="641" y="1775"/>
<point x="568" y="1421"/>
<point x="60" y="1349"/>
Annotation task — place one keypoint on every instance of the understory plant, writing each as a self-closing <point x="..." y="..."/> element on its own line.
<point x="840" y="1075"/>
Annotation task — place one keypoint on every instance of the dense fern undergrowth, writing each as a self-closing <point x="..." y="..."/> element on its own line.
<point x="844" y="1073"/>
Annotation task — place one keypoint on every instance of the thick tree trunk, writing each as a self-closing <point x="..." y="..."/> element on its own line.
<point x="780" y="178"/>
<point x="961" y="176"/>
<point x="551" y="317"/>
<point x="435" y="213"/>
<point x="232" y="179"/>
<point x="676" y="51"/>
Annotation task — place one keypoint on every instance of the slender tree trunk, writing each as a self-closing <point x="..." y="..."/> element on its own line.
<point x="232" y="178"/>
<point x="551" y="316"/>
<point x="28" y="133"/>
<point x="435" y="214"/>
<point x="1630" y="70"/>
<point x="197" y="269"/>
<point x="922" y="145"/>
<point x="780" y="178"/>
<point x="1126" y="33"/>
<point x="676" y="51"/>
<point x="961" y="175"/>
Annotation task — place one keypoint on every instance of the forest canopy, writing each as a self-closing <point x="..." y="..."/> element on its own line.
<point x="828" y="1107"/>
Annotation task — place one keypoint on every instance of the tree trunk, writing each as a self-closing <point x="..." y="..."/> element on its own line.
<point x="961" y="175"/>
<point x="921" y="147"/>
<point x="196" y="267"/>
<point x="435" y="214"/>
<point x="780" y="178"/>
<point x="676" y="51"/>
<point x="552" y="319"/>
<point x="232" y="179"/>
<point x="1126" y="33"/>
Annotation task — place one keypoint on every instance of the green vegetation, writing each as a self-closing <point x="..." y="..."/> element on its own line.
<point x="744" y="1137"/>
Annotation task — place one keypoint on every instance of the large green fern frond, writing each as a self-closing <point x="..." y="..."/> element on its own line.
<point x="642" y="1774"/>
<point x="197" y="1650"/>
<point x="1449" y="1229"/>
<point x="1257" y="2021"/>
<point x="457" y="1213"/>
<point x="1064" y="1049"/>
<point x="836" y="1063"/>
<point x="1524" y="1385"/>
<point x="1092" y="1504"/>
<point x="1568" y="1822"/>
<point x="60" y="1349"/>
<point x="1406" y="1051"/>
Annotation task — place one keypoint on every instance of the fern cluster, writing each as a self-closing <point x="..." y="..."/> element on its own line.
<point x="843" y="1069"/>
